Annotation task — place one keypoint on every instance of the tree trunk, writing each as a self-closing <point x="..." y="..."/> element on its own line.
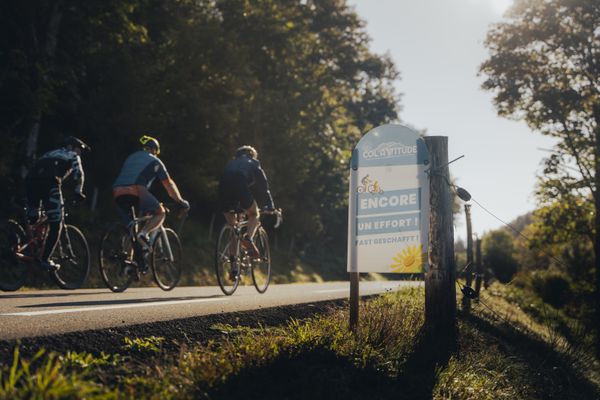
<point x="597" y="229"/>
<point x="46" y="59"/>
<point x="466" y="301"/>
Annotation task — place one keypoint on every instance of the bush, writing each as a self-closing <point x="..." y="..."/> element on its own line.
<point x="552" y="287"/>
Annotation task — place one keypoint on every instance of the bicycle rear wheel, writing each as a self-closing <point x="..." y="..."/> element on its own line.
<point x="227" y="262"/>
<point x="73" y="254"/>
<point x="116" y="255"/>
<point x="166" y="259"/>
<point x="13" y="272"/>
<point x="261" y="267"/>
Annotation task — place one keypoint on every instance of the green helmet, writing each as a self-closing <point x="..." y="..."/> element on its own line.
<point x="150" y="142"/>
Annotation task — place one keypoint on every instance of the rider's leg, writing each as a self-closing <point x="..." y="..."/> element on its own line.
<point x="253" y="219"/>
<point x="36" y="191"/>
<point x="149" y="204"/>
<point x="54" y="210"/>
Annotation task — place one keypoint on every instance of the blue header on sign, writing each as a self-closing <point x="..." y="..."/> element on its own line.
<point x="389" y="202"/>
<point x="390" y="145"/>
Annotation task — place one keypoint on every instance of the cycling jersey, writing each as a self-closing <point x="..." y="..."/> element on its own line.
<point x="57" y="165"/>
<point x="140" y="169"/>
<point x="243" y="181"/>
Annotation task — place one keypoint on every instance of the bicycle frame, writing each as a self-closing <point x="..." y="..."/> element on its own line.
<point x="133" y="230"/>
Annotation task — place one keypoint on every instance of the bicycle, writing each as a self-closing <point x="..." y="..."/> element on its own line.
<point x="23" y="245"/>
<point x="232" y="261"/>
<point x="122" y="258"/>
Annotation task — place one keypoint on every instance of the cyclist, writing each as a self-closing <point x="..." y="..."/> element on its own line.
<point x="242" y="185"/>
<point x="131" y="188"/>
<point x="43" y="185"/>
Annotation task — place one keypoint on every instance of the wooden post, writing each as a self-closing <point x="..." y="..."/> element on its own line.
<point x="440" y="280"/>
<point x="466" y="301"/>
<point x="353" y="301"/>
<point x="478" y="268"/>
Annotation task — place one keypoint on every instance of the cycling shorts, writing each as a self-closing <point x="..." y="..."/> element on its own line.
<point x="234" y="193"/>
<point x="137" y="196"/>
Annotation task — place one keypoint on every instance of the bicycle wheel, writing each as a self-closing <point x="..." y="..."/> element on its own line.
<point x="227" y="263"/>
<point x="12" y="271"/>
<point x="116" y="253"/>
<point x="261" y="267"/>
<point x="73" y="254"/>
<point x="166" y="259"/>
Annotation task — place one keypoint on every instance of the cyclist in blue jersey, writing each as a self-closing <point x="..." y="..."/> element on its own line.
<point x="244" y="185"/>
<point x="131" y="188"/>
<point x="44" y="186"/>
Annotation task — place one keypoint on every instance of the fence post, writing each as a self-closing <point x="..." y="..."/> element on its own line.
<point x="466" y="301"/>
<point x="440" y="280"/>
<point x="478" y="268"/>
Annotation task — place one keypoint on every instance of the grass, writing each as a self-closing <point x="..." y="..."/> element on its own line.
<point x="499" y="354"/>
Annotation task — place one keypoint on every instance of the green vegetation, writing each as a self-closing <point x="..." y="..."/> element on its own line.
<point x="295" y="79"/>
<point x="507" y="353"/>
<point x="543" y="69"/>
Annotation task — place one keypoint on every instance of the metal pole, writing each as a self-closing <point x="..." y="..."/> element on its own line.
<point x="354" y="301"/>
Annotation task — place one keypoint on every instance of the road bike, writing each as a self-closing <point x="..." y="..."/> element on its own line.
<point x="123" y="259"/>
<point x="232" y="260"/>
<point x="23" y="245"/>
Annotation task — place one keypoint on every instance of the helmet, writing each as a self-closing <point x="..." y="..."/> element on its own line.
<point x="150" y="142"/>
<point x="76" y="143"/>
<point x="246" y="150"/>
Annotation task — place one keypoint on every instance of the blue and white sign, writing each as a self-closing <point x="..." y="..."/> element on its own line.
<point x="388" y="216"/>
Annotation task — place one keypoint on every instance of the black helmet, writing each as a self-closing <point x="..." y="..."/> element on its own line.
<point x="150" y="142"/>
<point x="246" y="150"/>
<point x="76" y="143"/>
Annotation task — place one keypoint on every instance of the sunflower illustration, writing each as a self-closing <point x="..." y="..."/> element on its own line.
<point x="409" y="259"/>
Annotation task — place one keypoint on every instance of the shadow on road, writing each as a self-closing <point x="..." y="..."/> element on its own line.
<point x="43" y="295"/>
<point x="122" y="301"/>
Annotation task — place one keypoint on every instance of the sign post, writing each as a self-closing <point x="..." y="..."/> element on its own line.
<point x="388" y="210"/>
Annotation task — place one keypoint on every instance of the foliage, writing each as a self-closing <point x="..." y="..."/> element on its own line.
<point x="295" y="79"/>
<point x="543" y="68"/>
<point x="147" y="344"/>
<point x="498" y="254"/>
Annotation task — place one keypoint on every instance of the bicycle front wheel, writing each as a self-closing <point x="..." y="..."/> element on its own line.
<point x="73" y="254"/>
<point x="261" y="267"/>
<point x="13" y="272"/>
<point x="116" y="255"/>
<point x="166" y="259"/>
<point x="227" y="260"/>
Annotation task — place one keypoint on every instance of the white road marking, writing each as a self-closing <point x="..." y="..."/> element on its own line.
<point x="331" y="290"/>
<point x="113" y="307"/>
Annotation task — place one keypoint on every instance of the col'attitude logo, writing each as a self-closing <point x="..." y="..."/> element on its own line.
<point x="369" y="186"/>
<point x="390" y="150"/>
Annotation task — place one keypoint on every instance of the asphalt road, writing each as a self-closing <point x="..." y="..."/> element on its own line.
<point x="49" y="312"/>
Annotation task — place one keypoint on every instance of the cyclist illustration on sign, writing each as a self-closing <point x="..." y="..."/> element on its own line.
<point x="369" y="186"/>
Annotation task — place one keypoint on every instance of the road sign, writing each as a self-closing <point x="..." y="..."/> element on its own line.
<point x="388" y="216"/>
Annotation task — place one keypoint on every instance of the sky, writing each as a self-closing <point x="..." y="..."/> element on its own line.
<point x="437" y="45"/>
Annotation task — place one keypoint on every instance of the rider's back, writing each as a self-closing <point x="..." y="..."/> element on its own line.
<point x="141" y="168"/>
<point x="56" y="164"/>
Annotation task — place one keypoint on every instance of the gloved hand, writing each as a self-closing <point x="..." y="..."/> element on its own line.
<point x="185" y="204"/>
<point x="80" y="196"/>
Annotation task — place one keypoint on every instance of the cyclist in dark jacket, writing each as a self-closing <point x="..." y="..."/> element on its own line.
<point x="43" y="185"/>
<point x="244" y="186"/>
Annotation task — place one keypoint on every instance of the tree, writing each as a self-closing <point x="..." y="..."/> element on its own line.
<point x="544" y="68"/>
<point x="498" y="254"/>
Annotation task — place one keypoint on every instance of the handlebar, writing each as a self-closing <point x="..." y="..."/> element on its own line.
<point x="278" y="212"/>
